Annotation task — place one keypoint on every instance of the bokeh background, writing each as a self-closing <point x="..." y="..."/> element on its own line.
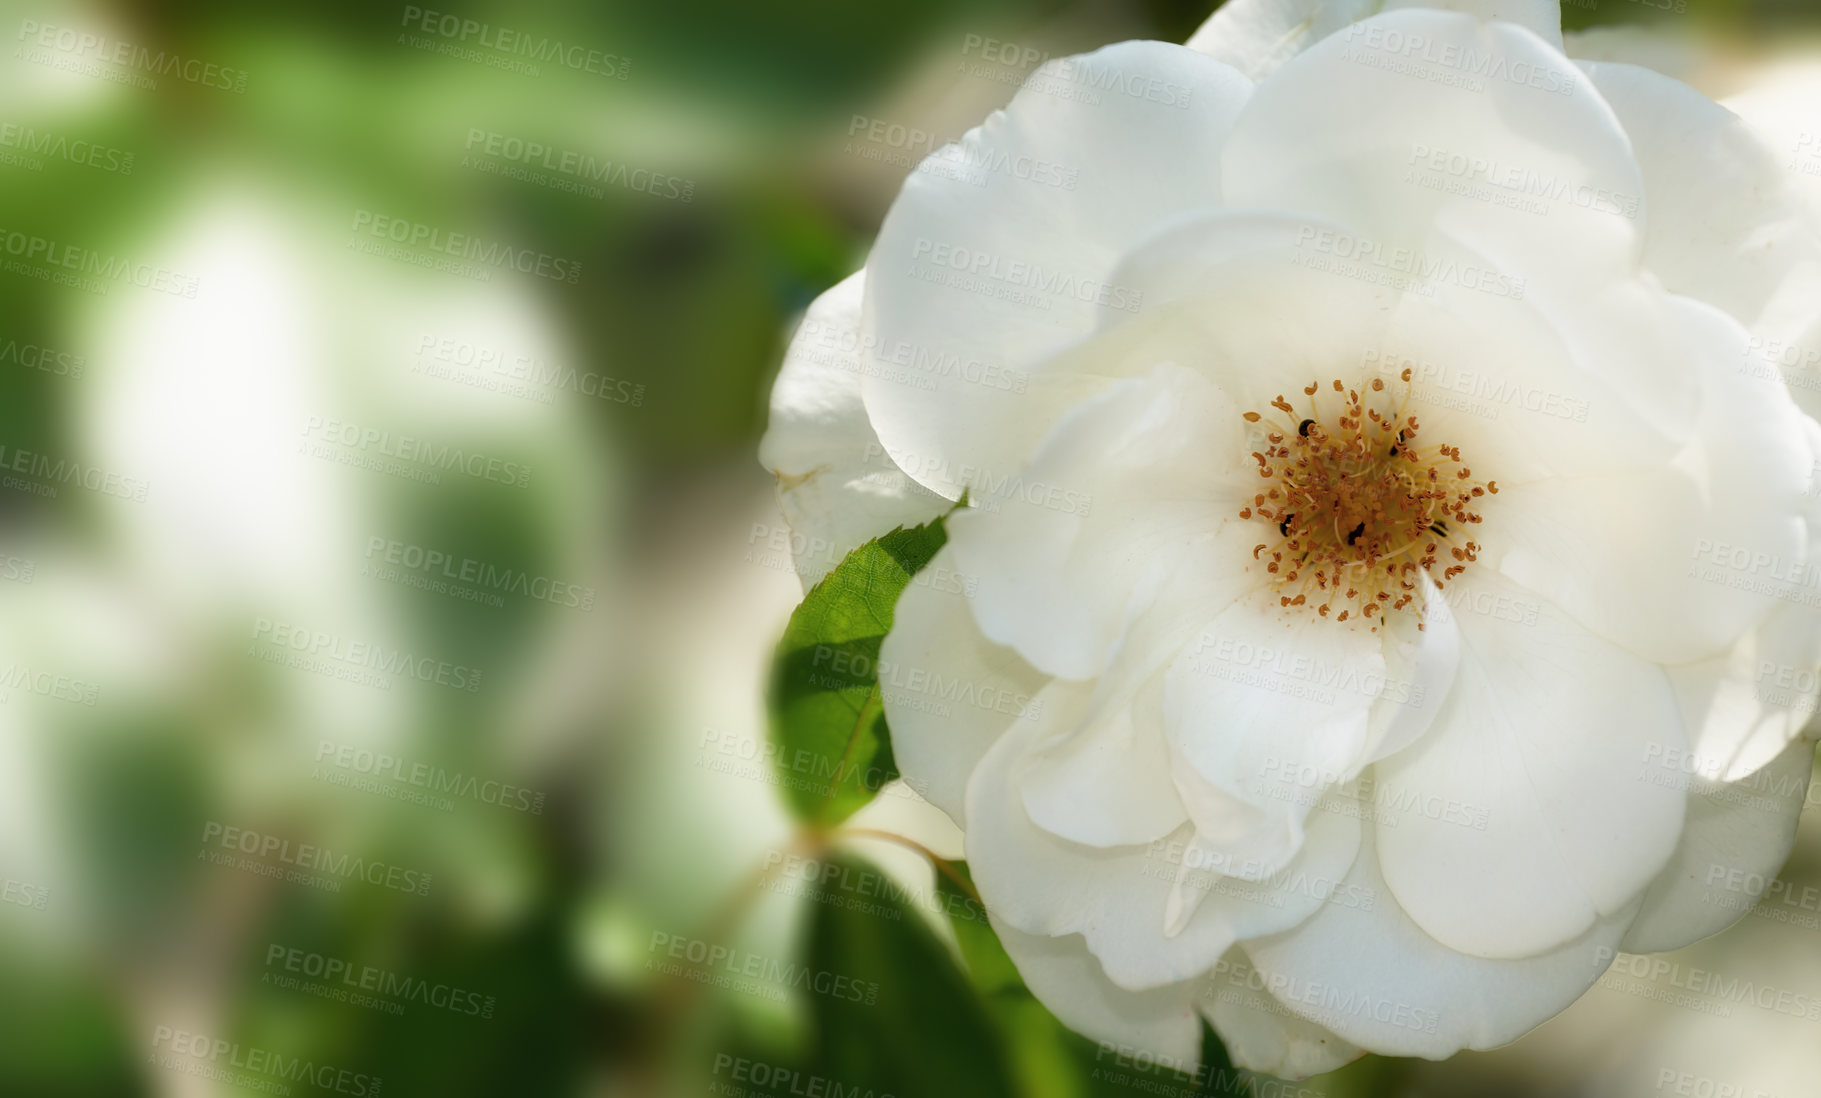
<point x="384" y="631"/>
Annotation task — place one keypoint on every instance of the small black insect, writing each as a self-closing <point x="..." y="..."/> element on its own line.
<point x="1357" y="531"/>
<point x="1303" y="428"/>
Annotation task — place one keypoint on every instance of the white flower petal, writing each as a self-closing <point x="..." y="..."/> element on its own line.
<point x="1350" y="131"/>
<point x="1002" y="270"/>
<point x="1105" y="781"/>
<point x="950" y="692"/>
<point x="1256" y="36"/>
<point x="1661" y="49"/>
<point x="1237" y="296"/>
<point x="1066" y="978"/>
<point x="1263" y="304"/>
<point x="1371" y="975"/>
<point x="1520" y="819"/>
<point x="838" y="488"/>
<point x="1420" y="665"/>
<point x="1541" y="17"/>
<point x="1637" y="555"/>
<point x="1262" y="1034"/>
<point x="1725" y="226"/>
<point x="1735" y="840"/>
<point x="1745" y="706"/>
<point x="1118" y="899"/>
<point x="1268" y="707"/>
<point x="1779" y="104"/>
<point x="1131" y="487"/>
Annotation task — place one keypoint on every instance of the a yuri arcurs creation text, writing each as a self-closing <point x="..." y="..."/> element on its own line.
<point x="1372" y="480"/>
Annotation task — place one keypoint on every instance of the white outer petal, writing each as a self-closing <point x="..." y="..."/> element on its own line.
<point x="1780" y="106"/>
<point x="1726" y="227"/>
<point x="1420" y="665"/>
<point x="837" y="486"/>
<point x="1266" y="710"/>
<point x="1120" y="899"/>
<point x="1010" y="271"/>
<point x="1735" y="831"/>
<point x="1631" y="554"/>
<point x="1127" y="489"/>
<point x="1262" y="1034"/>
<point x="1337" y="132"/>
<point x="1542" y="741"/>
<point x="1067" y="979"/>
<point x="943" y="673"/>
<point x="1256" y="36"/>
<point x="1406" y="994"/>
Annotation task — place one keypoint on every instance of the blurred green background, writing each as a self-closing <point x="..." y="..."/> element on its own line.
<point x="383" y="634"/>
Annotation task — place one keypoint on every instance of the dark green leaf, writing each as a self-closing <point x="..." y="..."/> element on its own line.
<point x="902" y="1019"/>
<point x="832" y="748"/>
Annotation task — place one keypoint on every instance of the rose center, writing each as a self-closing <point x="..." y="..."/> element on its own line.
<point x="1358" y="504"/>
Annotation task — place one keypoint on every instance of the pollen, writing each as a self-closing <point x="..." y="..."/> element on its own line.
<point x="1358" y="502"/>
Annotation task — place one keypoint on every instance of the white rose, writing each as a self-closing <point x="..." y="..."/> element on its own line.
<point x="1389" y="528"/>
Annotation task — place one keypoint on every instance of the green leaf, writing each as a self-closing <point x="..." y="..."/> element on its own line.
<point x="899" y="1017"/>
<point x="832" y="751"/>
<point x="987" y="964"/>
